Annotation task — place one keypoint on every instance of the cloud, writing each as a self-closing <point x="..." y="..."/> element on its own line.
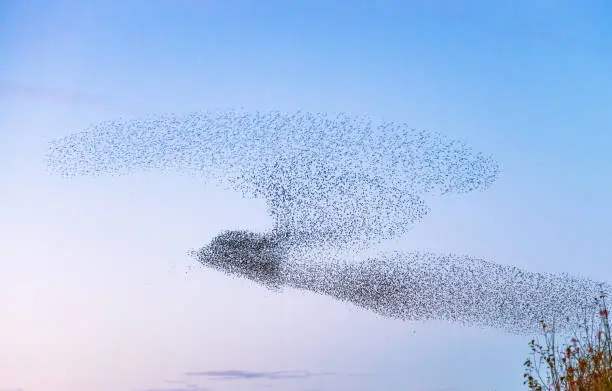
<point x="55" y="95"/>
<point x="47" y="93"/>
<point x="194" y="388"/>
<point x="437" y="389"/>
<point x="178" y="385"/>
<point x="237" y="374"/>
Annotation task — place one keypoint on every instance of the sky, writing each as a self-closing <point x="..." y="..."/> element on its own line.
<point x="96" y="289"/>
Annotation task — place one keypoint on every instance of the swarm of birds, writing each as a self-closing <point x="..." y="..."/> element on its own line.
<point x="335" y="182"/>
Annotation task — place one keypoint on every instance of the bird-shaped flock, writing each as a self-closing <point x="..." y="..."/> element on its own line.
<point x="332" y="183"/>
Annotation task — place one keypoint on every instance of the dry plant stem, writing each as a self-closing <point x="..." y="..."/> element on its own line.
<point x="582" y="365"/>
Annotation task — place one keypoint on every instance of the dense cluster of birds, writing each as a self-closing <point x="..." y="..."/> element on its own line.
<point x="334" y="182"/>
<point x="413" y="286"/>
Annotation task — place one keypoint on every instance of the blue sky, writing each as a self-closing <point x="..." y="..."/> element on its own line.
<point x="96" y="292"/>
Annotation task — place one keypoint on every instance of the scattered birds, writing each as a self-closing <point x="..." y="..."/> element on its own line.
<point x="335" y="182"/>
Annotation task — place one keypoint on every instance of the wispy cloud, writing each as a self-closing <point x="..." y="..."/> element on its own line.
<point x="178" y="385"/>
<point x="237" y="374"/>
<point x="57" y="95"/>
<point x="46" y="93"/>
<point x="196" y="388"/>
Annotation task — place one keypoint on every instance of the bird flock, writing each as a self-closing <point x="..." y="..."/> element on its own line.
<point x="333" y="183"/>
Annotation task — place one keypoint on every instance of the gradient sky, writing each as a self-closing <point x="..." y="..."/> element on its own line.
<point x="96" y="292"/>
